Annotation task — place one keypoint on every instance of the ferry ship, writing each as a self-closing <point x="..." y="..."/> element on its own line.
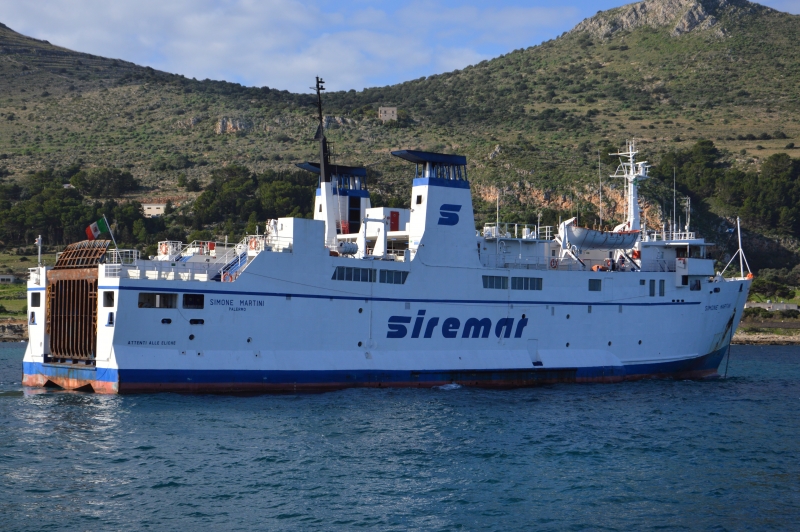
<point x="365" y="296"/>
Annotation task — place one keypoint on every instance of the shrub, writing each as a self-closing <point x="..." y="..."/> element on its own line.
<point x="193" y="185"/>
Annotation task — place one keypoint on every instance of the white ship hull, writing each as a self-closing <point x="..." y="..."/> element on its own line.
<point x="302" y="331"/>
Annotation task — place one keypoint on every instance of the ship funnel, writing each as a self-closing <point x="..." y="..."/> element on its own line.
<point x="442" y="223"/>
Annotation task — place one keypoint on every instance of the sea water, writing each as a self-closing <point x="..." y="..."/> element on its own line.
<point x="714" y="455"/>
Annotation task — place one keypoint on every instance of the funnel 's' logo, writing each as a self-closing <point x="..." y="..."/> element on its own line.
<point x="447" y="214"/>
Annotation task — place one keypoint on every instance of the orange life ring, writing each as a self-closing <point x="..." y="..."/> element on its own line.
<point x="227" y="278"/>
<point x="553" y="263"/>
<point x="253" y="243"/>
<point x="637" y="254"/>
<point x="164" y="249"/>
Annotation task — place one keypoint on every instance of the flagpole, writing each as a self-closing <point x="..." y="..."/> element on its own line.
<point x="110" y="232"/>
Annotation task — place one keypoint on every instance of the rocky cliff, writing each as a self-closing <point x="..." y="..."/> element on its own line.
<point x="679" y="16"/>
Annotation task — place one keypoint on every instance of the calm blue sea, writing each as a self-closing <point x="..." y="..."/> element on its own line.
<point x="721" y="455"/>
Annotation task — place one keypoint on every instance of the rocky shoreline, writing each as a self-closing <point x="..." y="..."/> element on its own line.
<point x="13" y="330"/>
<point x="762" y="338"/>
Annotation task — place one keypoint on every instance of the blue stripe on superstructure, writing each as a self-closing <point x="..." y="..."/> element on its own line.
<point x="36" y="289"/>
<point x="439" y="182"/>
<point x="401" y="299"/>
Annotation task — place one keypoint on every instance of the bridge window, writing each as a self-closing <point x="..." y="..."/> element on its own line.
<point x="361" y="275"/>
<point x="393" y="277"/>
<point x="36" y="299"/>
<point x="193" y="301"/>
<point x="661" y="286"/>
<point x="108" y="298"/>
<point x="495" y="282"/>
<point x="526" y="283"/>
<point x="152" y="300"/>
<point x="595" y="285"/>
<point x="652" y="287"/>
<point x="695" y="285"/>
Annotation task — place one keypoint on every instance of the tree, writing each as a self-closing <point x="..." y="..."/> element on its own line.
<point x="193" y="185"/>
<point x="104" y="182"/>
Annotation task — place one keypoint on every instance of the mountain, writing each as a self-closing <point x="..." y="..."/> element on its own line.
<point x="666" y="72"/>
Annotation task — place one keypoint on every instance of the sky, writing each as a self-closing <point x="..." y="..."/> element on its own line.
<point x="284" y="44"/>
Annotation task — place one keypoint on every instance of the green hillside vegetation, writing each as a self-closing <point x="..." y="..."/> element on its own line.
<point x="718" y="102"/>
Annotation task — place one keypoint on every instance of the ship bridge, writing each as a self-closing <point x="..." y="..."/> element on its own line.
<point x="349" y="185"/>
<point x="436" y="165"/>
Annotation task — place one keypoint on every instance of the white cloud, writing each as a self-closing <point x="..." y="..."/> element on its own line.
<point x="285" y="43"/>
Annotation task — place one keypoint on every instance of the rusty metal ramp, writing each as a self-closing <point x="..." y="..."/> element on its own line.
<point x="83" y="254"/>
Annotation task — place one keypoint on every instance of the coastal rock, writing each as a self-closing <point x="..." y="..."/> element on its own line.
<point x="13" y="330"/>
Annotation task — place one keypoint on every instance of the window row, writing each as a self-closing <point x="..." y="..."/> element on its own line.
<point x="362" y="275"/>
<point x="526" y="283"/>
<point x="367" y="275"/>
<point x="661" y="287"/>
<point x="393" y="277"/>
<point x="156" y="300"/>
<point x="495" y="282"/>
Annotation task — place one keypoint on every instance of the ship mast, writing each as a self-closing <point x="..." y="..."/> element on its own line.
<point x="632" y="172"/>
<point x="326" y="188"/>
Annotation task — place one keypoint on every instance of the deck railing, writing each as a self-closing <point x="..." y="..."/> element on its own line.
<point x="515" y="230"/>
<point x="122" y="256"/>
<point x="225" y="263"/>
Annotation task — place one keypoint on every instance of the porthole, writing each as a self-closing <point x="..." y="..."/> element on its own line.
<point x="359" y="344"/>
<point x="640" y="342"/>
<point x="191" y="337"/>
<point x="523" y="316"/>
<point x="360" y="310"/>
<point x="567" y="316"/>
<point x="249" y="339"/>
<point x="567" y="344"/>
<point x="609" y="343"/>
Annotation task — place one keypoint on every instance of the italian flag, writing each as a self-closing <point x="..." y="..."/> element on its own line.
<point x="96" y="229"/>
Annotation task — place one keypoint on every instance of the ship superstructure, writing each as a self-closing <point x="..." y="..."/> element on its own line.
<point x="373" y="296"/>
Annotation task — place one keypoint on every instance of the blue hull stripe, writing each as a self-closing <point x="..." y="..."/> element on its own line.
<point x="70" y="372"/>
<point x="398" y="299"/>
<point x="706" y="363"/>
